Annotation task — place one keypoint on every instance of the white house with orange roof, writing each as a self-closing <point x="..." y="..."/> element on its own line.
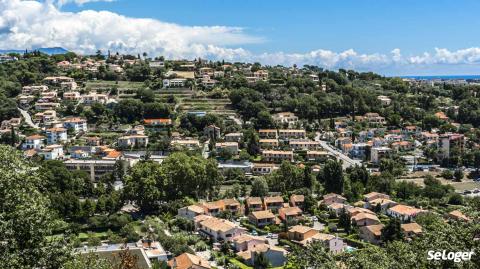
<point x="245" y="242"/>
<point x="191" y="211"/>
<point x="33" y="142"/>
<point x="56" y="135"/>
<point x="403" y="212"/>
<point x="219" y="229"/>
<point x="76" y="124"/>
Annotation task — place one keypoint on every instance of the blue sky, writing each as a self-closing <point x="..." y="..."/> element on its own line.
<point x="368" y="26"/>
<point x="427" y="37"/>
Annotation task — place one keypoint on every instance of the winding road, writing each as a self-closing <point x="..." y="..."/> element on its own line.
<point x="28" y="118"/>
<point x="346" y="160"/>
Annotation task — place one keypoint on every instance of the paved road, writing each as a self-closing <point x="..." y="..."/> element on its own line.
<point x="347" y="161"/>
<point x="27" y="118"/>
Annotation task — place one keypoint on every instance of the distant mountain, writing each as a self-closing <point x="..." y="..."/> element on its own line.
<point x="49" y="51"/>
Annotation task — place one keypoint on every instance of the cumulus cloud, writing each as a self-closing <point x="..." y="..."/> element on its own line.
<point x="80" y="2"/>
<point x="32" y="24"/>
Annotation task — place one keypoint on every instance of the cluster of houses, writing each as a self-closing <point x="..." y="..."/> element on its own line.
<point x="376" y="141"/>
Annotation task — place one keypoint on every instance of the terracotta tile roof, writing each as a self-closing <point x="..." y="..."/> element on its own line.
<point x="188" y="261"/>
<point x="405" y="210"/>
<point x="273" y="199"/>
<point x="290" y="211"/>
<point x="264" y="214"/>
<point x="246" y="238"/>
<point x="456" y="214"/>
<point x="297" y="198"/>
<point x="300" y="229"/>
<point x="254" y="200"/>
<point x="216" y="224"/>
<point x="411" y="227"/>
<point x="196" y="209"/>
<point x="374" y="229"/>
<point x="362" y="216"/>
<point x="34" y="137"/>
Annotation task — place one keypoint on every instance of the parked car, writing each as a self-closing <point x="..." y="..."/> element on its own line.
<point x="274" y="236"/>
<point x="254" y="233"/>
<point x="269" y="235"/>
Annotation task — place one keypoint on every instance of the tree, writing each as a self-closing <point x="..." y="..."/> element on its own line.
<point x="313" y="256"/>
<point x="261" y="261"/>
<point x="392" y="231"/>
<point x="259" y="187"/>
<point x="458" y="175"/>
<point x="145" y="185"/>
<point x="332" y="177"/>
<point x="26" y="219"/>
<point x="344" y="221"/>
<point x="91" y="261"/>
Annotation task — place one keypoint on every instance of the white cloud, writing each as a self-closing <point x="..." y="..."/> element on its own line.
<point x="80" y="2"/>
<point x="32" y="24"/>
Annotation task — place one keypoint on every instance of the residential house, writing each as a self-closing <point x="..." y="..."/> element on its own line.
<point x="246" y="242"/>
<point x="231" y="147"/>
<point x="188" y="143"/>
<point x="275" y="255"/>
<point x="285" y="118"/>
<point x="254" y="204"/>
<point x="365" y="219"/>
<point x="231" y="205"/>
<point x="378" y="153"/>
<point x="72" y="96"/>
<point x="33" y="142"/>
<point x="95" y="168"/>
<point x="212" y="208"/>
<point x="410" y="230"/>
<point x="371" y="233"/>
<point x="331" y="198"/>
<point x="263" y="168"/>
<point x="338" y="208"/>
<point x="191" y="211"/>
<point x="262" y="218"/>
<point x="288" y="214"/>
<point x="220" y="229"/>
<point x="273" y="203"/>
<point x="46" y="106"/>
<point x="268" y="133"/>
<point x="234" y="137"/>
<point x="132" y="141"/>
<point x="384" y="100"/>
<point x="277" y="155"/>
<point x="268" y="143"/>
<point x="56" y="135"/>
<point x="375" y="195"/>
<point x="212" y="131"/>
<point x="304" y="235"/>
<point x="318" y="156"/>
<point x="188" y="261"/>
<point x="451" y="142"/>
<point x="160" y="122"/>
<point x="76" y="124"/>
<point x="382" y="203"/>
<point x="403" y="212"/>
<point x="52" y="152"/>
<point x="297" y="200"/>
<point x="291" y="134"/>
<point x="303" y="144"/>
